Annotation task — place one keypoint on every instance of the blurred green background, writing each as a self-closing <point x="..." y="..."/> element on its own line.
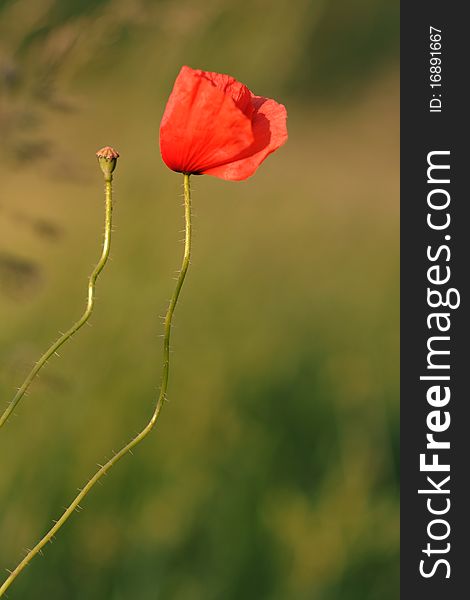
<point x="273" y="471"/>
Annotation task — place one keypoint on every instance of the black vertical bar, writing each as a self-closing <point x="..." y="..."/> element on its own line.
<point x="423" y="132"/>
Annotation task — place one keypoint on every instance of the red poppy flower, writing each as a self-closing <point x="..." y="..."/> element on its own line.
<point x="215" y="125"/>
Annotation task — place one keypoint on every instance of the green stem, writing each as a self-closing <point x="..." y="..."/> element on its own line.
<point x="150" y="425"/>
<point x="83" y="319"/>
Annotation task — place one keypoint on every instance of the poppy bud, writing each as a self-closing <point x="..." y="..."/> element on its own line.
<point x="107" y="158"/>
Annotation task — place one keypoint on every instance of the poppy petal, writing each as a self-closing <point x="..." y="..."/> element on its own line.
<point x="229" y="85"/>
<point x="202" y="126"/>
<point x="269" y="131"/>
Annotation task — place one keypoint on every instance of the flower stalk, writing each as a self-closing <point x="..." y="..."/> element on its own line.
<point x="75" y="504"/>
<point x="107" y="158"/>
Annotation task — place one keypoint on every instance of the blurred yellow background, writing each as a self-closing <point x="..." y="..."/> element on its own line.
<point x="273" y="473"/>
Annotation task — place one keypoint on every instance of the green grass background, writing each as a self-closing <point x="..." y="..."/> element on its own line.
<point x="273" y="473"/>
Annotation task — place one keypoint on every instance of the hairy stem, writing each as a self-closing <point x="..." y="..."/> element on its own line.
<point x="83" y="319"/>
<point x="150" y="425"/>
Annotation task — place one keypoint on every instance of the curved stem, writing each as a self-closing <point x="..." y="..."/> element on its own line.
<point x="150" y="425"/>
<point x="83" y="319"/>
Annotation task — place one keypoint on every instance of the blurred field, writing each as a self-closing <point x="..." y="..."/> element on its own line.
<point x="273" y="473"/>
